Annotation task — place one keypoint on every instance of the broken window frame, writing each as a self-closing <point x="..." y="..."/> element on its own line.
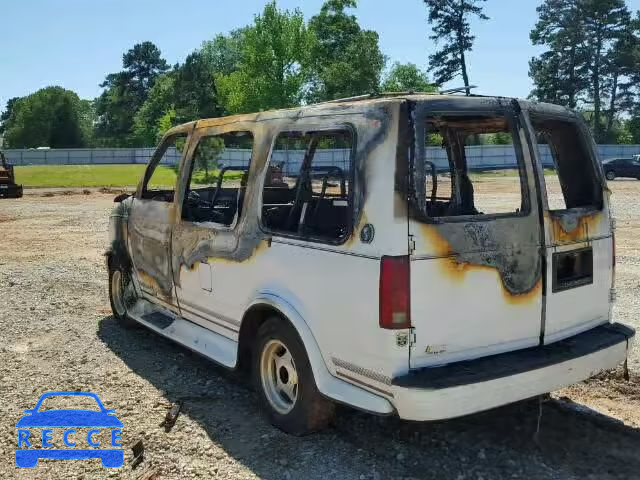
<point x="417" y="168"/>
<point x="588" y="143"/>
<point x="350" y="179"/>
<point x="190" y="164"/>
<point x="158" y="154"/>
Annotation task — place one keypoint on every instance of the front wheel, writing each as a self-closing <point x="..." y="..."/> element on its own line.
<point x="121" y="296"/>
<point x="284" y="380"/>
<point x="610" y="175"/>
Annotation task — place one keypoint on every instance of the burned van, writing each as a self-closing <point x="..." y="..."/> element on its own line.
<point x="427" y="256"/>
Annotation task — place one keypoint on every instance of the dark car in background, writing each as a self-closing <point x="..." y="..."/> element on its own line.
<point x="622" y="167"/>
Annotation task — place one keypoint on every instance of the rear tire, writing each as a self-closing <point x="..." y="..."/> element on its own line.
<point x="284" y="380"/>
<point x="610" y="175"/>
<point x="120" y="296"/>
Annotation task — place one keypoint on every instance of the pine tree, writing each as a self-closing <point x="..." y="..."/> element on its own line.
<point x="450" y="25"/>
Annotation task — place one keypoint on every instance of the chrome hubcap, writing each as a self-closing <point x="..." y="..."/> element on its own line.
<point x="279" y="376"/>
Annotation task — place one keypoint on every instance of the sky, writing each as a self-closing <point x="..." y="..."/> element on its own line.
<point x="76" y="43"/>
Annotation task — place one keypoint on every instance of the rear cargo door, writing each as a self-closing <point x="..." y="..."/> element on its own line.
<point x="577" y="225"/>
<point x="475" y="233"/>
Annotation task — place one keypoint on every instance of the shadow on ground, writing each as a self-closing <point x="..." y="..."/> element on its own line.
<point x="503" y="443"/>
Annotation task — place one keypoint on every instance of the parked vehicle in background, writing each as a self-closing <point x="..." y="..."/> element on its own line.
<point x="357" y="258"/>
<point x="622" y="167"/>
<point x="8" y="186"/>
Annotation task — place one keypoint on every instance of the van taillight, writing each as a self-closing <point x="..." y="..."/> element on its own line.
<point x="394" y="293"/>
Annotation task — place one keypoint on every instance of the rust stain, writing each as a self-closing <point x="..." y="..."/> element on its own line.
<point x="451" y="267"/>
<point x="571" y="229"/>
<point x="150" y="283"/>
<point x="437" y="245"/>
<point x="260" y="248"/>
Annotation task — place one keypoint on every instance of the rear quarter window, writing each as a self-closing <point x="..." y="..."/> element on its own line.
<point x="572" y="178"/>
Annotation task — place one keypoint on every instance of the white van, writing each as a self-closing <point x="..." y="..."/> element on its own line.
<point x="407" y="255"/>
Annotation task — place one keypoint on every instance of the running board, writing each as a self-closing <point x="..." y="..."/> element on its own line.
<point x="215" y="347"/>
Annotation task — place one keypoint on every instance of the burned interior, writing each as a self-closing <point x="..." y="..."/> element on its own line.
<point x="307" y="190"/>
<point x="448" y="181"/>
<point x="217" y="198"/>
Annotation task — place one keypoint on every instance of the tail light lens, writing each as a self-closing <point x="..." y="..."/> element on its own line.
<point x="394" y="293"/>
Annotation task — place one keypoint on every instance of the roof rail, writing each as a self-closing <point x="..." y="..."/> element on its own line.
<point x="458" y="89"/>
<point x="375" y="95"/>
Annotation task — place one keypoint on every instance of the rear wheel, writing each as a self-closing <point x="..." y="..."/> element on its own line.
<point x="610" y="175"/>
<point x="284" y="380"/>
<point x="121" y="296"/>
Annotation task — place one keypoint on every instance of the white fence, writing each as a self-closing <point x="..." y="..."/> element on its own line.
<point x="479" y="157"/>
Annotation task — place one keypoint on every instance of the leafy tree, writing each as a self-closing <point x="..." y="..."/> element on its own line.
<point x="207" y="156"/>
<point x="143" y="64"/>
<point x="157" y="114"/>
<point x="224" y="52"/>
<point x="605" y="22"/>
<point x="633" y="127"/>
<point x="560" y="74"/>
<point x="125" y="93"/>
<point x="186" y="93"/>
<point x="345" y="60"/>
<point x="591" y="60"/>
<point x="52" y="117"/>
<point x="270" y="74"/>
<point x="406" y="78"/>
<point x="622" y="65"/>
<point x="195" y="92"/>
<point x="450" y="24"/>
<point x="4" y="117"/>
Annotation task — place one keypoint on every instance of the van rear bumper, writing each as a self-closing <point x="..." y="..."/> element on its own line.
<point x="467" y="387"/>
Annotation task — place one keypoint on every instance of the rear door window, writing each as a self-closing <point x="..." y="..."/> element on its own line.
<point x="571" y="176"/>
<point x="470" y="165"/>
<point x="307" y="187"/>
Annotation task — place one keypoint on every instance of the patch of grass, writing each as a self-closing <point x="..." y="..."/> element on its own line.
<point x="87" y="175"/>
<point x="104" y="176"/>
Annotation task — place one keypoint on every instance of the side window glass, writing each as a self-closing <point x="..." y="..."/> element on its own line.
<point x="572" y="180"/>
<point x="307" y="187"/>
<point x="218" y="179"/>
<point x="472" y="166"/>
<point x="162" y="172"/>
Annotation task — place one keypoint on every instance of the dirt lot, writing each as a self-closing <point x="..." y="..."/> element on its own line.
<point x="57" y="334"/>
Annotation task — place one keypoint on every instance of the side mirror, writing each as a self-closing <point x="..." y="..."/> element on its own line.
<point x="121" y="197"/>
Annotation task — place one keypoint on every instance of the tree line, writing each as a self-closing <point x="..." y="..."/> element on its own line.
<point x="591" y="63"/>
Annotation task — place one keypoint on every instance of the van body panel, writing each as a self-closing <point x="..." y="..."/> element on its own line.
<point x="573" y="236"/>
<point x="481" y="285"/>
<point x="218" y="271"/>
<point x="476" y="281"/>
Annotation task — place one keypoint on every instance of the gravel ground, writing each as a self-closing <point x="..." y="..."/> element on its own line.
<point x="57" y="334"/>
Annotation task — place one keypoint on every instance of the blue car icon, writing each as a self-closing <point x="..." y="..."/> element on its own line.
<point x="69" y="418"/>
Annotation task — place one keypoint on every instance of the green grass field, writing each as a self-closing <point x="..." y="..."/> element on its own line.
<point x="99" y="175"/>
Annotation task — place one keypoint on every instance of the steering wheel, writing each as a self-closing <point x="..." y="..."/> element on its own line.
<point x="194" y="197"/>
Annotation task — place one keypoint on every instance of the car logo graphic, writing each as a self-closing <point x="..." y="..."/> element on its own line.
<point x="27" y="453"/>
